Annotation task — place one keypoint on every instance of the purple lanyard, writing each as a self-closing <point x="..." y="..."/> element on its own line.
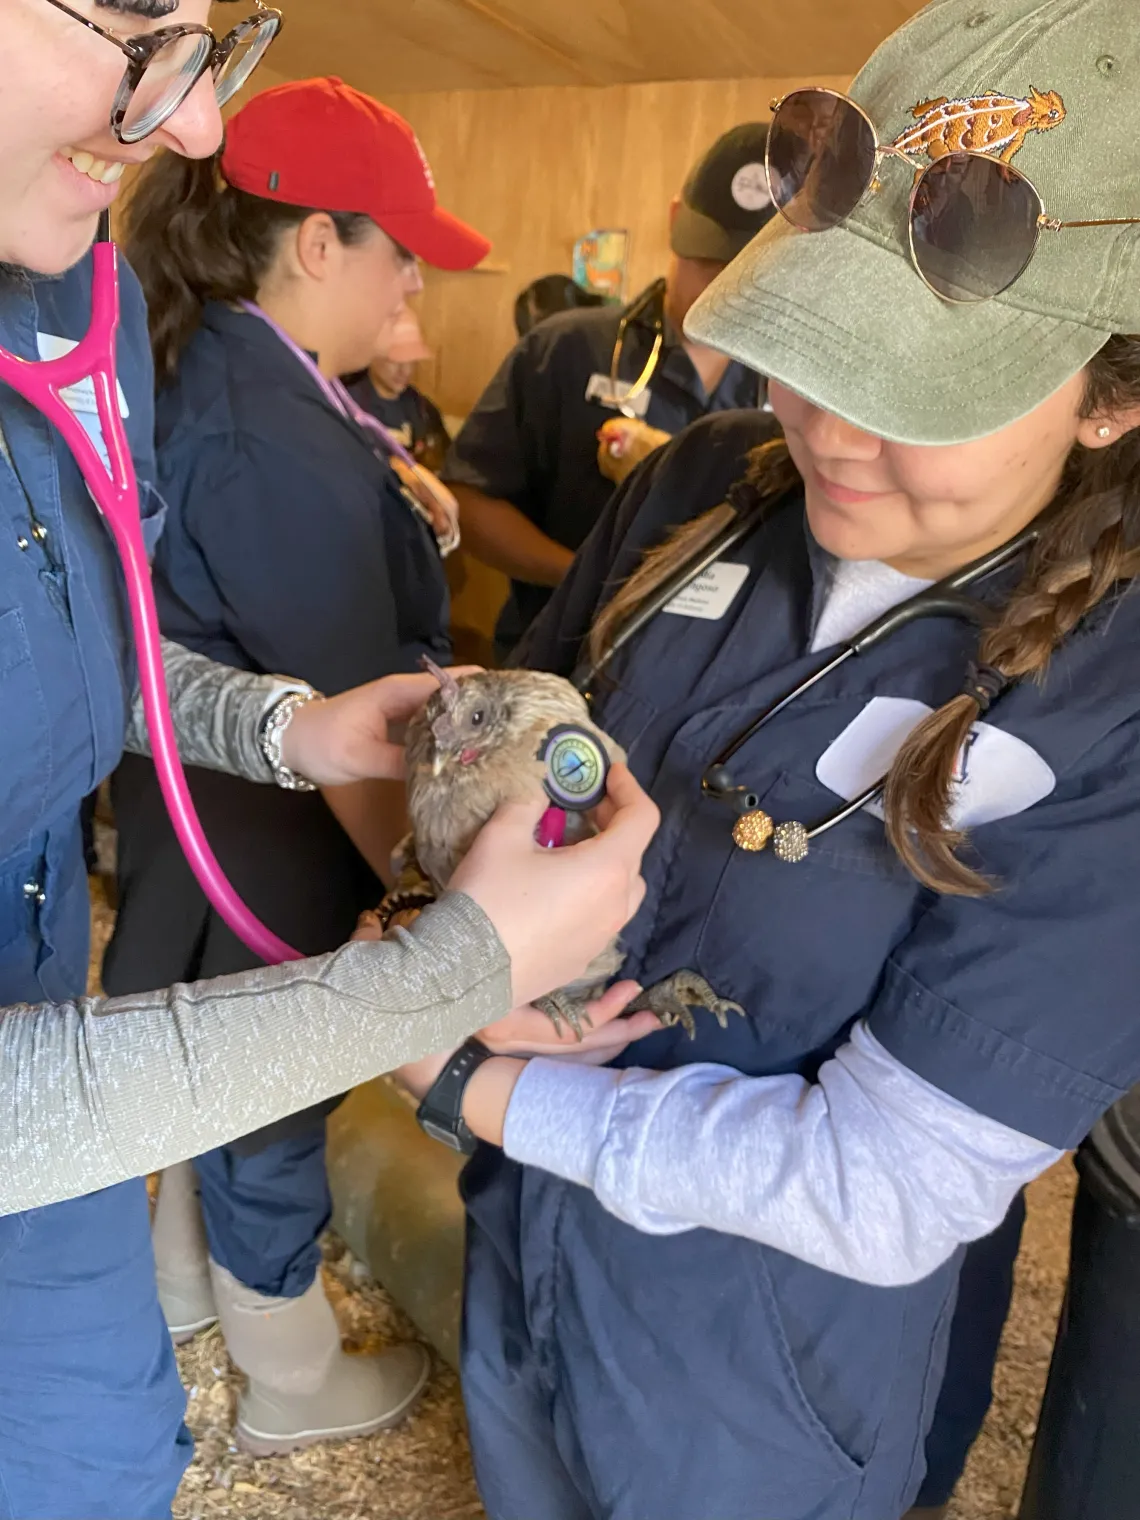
<point x="336" y="394"/>
<point x="334" y="391"/>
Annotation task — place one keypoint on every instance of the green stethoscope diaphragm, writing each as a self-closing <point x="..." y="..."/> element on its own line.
<point x="576" y="767"/>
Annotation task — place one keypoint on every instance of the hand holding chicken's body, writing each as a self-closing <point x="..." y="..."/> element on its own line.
<point x="477" y="744"/>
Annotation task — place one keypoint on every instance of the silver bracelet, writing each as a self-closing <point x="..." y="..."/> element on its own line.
<point x="271" y="736"/>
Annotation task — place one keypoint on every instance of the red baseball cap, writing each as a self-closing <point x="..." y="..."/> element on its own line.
<point x="320" y="143"/>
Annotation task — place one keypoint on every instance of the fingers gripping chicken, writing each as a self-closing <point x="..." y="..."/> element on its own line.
<point x="478" y="744"/>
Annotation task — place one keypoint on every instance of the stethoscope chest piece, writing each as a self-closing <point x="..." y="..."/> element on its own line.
<point x="576" y="767"/>
<point x="755" y="831"/>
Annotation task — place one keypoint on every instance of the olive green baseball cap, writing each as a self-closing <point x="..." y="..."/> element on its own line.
<point x="843" y="318"/>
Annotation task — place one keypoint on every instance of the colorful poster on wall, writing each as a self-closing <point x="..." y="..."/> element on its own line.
<point x="600" y="261"/>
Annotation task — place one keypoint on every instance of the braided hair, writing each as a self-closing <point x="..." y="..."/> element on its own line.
<point x="1088" y="546"/>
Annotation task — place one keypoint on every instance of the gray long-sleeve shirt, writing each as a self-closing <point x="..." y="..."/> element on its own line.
<point x="96" y="1091"/>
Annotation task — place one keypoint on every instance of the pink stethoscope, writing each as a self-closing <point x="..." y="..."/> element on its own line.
<point x="114" y="489"/>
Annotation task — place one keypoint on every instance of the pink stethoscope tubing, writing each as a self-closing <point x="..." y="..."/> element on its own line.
<point x="116" y="494"/>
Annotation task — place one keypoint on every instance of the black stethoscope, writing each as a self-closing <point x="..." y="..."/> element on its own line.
<point x="754" y="829"/>
<point x="649" y="304"/>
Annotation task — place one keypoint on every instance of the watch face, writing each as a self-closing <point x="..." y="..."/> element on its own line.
<point x="444" y="1136"/>
<point x="576" y="767"/>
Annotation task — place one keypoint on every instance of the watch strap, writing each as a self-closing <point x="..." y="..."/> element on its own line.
<point x="440" y="1114"/>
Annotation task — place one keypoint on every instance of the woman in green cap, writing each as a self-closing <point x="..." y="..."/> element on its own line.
<point x="716" y="1283"/>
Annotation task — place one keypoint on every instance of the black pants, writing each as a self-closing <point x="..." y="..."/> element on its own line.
<point x="1086" y="1458"/>
<point x="984" y="1293"/>
<point x="284" y="852"/>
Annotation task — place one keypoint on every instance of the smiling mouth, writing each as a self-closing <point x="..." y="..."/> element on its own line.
<point x="845" y="496"/>
<point x="103" y="171"/>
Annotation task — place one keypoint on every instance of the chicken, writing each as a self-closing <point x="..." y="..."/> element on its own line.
<point x="477" y="744"/>
<point x="623" y="442"/>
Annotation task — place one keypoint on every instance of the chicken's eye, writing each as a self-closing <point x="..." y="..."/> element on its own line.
<point x="477" y="718"/>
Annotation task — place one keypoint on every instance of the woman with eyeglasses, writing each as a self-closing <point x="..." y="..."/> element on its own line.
<point x="715" y="1281"/>
<point x="95" y="1093"/>
<point x="291" y="544"/>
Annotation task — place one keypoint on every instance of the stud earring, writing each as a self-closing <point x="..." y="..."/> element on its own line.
<point x="1104" y="432"/>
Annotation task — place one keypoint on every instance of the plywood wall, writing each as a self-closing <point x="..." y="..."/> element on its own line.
<point x="381" y="45"/>
<point x="536" y="168"/>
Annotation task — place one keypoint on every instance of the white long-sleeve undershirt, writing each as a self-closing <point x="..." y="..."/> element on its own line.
<point x="869" y="1172"/>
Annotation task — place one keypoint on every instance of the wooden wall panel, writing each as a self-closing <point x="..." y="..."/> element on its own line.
<point x="381" y="45"/>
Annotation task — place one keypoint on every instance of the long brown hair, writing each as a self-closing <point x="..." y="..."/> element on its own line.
<point x="192" y="238"/>
<point x="1089" y="543"/>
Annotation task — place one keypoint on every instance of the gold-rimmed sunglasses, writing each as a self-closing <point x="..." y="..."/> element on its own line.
<point x="974" y="221"/>
<point x="163" y="66"/>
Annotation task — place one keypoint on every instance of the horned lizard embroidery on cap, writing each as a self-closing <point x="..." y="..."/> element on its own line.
<point x="993" y="124"/>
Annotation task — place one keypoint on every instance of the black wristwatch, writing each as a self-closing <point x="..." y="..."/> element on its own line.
<point x="440" y="1115"/>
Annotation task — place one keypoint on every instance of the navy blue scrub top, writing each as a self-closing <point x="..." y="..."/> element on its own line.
<point x="289" y="546"/>
<point x="532" y="437"/>
<point x="66" y="657"/>
<point x="1022" y="1004"/>
<point x="413" y="417"/>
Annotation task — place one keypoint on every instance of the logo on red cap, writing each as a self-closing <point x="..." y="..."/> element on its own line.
<point x="424" y="160"/>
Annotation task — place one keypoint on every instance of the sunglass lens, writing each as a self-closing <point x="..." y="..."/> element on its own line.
<point x="248" y="41"/>
<point x="171" y="74"/>
<point x="821" y="158"/>
<point x="973" y="226"/>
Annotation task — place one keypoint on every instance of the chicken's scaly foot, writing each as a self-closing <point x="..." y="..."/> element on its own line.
<point x="564" y="1005"/>
<point x="674" y="999"/>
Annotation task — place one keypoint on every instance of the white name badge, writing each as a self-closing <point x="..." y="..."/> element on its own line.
<point x="606" y="392"/>
<point x="80" y="397"/>
<point x="711" y="594"/>
<point x="997" y="775"/>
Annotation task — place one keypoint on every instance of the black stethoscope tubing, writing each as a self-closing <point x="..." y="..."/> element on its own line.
<point x="946" y="598"/>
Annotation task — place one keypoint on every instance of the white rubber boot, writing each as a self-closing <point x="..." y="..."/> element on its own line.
<point x="303" y="1388"/>
<point x="181" y="1256"/>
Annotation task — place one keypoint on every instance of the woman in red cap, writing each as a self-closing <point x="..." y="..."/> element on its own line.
<point x="290" y="545"/>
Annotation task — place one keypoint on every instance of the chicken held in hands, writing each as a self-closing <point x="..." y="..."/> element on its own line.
<point x="479" y="743"/>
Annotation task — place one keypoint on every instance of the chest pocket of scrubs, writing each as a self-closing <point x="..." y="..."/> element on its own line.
<point x="25" y="760"/>
<point x="811" y="938"/>
<point x="625" y="717"/>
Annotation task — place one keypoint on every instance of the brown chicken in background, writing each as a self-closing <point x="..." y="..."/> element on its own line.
<point x="476" y="745"/>
<point x="623" y="442"/>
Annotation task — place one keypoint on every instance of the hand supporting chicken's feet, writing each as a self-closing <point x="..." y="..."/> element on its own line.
<point x="674" y="999"/>
<point x="566" y="1005"/>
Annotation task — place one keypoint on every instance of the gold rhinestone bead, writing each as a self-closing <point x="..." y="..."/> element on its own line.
<point x="752" y="831"/>
<point x="790" y="843"/>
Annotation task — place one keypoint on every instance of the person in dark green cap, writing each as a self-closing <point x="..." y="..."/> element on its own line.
<point x="882" y="686"/>
<point x="525" y="466"/>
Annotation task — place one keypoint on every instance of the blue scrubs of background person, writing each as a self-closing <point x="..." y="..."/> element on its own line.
<point x="290" y="544"/>
<point x="525" y="463"/>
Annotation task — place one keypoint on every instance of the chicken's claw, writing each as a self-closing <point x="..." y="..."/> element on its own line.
<point x="564" y="1005"/>
<point x="674" y="999"/>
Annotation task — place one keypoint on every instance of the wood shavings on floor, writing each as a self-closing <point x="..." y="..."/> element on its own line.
<point x="422" y="1470"/>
